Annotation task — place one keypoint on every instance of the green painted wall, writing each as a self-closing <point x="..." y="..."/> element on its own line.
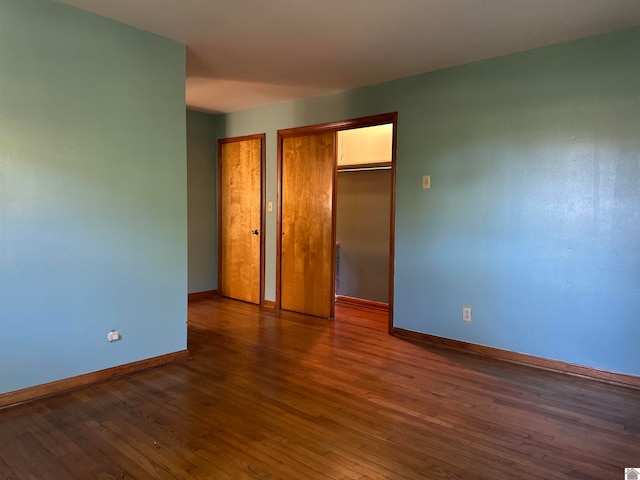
<point x="532" y="217"/>
<point x="93" y="214"/>
<point x="202" y="201"/>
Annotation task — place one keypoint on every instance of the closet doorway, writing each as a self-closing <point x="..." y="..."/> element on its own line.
<point x="307" y="262"/>
<point x="363" y="215"/>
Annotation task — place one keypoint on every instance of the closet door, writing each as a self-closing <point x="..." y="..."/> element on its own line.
<point x="240" y="218"/>
<point x="307" y="268"/>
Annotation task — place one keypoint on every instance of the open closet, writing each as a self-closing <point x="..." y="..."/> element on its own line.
<point x="335" y="233"/>
<point x="363" y="206"/>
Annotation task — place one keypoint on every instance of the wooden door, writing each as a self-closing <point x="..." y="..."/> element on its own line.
<point x="307" y="266"/>
<point x="240" y="222"/>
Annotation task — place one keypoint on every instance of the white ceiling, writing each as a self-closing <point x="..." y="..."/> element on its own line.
<point x="246" y="53"/>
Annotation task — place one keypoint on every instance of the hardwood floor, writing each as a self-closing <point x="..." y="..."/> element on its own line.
<point x="277" y="395"/>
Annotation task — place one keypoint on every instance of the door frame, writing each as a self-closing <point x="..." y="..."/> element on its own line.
<point x="222" y="141"/>
<point x="335" y="127"/>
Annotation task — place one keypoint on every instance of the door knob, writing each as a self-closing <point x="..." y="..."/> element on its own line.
<point x="255" y="232"/>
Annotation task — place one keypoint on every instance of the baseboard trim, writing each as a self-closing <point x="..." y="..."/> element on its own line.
<point x="268" y="304"/>
<point x="360" y="302"/>
<point x="194" y="297"/>
<point x="615" y="378"/>
<point x="39" y="391"/>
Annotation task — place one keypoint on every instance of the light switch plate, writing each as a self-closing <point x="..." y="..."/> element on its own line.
<point x="426" y="181"/>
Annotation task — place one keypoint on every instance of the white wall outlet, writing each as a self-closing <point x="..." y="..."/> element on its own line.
<point x="113" y="336"/>
<point x="426" y="181"/>
<point x="466" y="313"/>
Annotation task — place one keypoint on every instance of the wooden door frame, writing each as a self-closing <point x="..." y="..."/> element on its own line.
<point x="336" y="127"/>
<point x="221" y="141"/>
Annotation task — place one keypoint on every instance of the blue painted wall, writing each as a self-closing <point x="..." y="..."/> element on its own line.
<point x="533" y="216"/>
<point x="92" y="194"/>
<point x="202" y="154"/>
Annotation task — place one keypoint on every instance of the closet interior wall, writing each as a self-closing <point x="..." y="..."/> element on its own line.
<point x="362" y="233"/>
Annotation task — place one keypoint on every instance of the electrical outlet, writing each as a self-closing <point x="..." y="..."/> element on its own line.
<point x="466" y="313"/>
<point x="426" y="182"/>
<point x="113" y="336"/>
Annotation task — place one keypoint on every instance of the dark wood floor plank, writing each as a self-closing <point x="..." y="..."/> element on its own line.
<point x="276" y="395"/>
<point x="26" y="457"/>
<point x="5" y="472"/>
<point x="72" y="420"/>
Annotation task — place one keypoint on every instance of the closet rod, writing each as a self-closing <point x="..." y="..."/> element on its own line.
<point x="363" y="169"/>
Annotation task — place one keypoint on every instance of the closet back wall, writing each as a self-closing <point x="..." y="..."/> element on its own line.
<point x="363" y="230"/>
